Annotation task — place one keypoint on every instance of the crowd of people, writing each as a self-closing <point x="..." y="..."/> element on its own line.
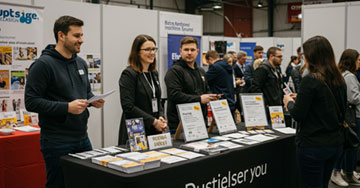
<point x="58" y="89"/>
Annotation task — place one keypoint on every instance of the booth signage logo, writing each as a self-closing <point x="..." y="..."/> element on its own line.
<point x="11" y="15"/>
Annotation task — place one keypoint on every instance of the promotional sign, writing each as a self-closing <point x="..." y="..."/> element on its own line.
<point x="192" y="121"/>
<point x="248" y="47"/>
<point x="254" y="109"/>
<point x="159" y="141"/>
<point x="277" y="116"/>
<point x="223" y="118"/>
<point x="174" y="47"/>
<point x="136" y="132"/>
<point x="180" y="24"/>
<point x="294" y="12"/>
<point x="21" y="35"/>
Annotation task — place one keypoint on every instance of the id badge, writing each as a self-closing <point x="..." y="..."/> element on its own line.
<point x="154" y="105"/>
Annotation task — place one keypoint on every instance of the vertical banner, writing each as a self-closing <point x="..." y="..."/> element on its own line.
<point x="294" y="12"/>
<point x="248" y="47"/>
<point x="174" y="46"/>
<point x="21" y="35"/>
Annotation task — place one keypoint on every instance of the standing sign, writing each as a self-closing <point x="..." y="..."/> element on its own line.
<point x="248" y="47"/>
<point x="174" y="46"/>
<point x="192" y="121"/>
<point x="254" y="109"/>
<point x="223" y="118"/>
<point x="277" y="116"/>
<point x="21" y="34"/>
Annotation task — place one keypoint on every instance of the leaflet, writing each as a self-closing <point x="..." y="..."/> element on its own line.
<point x="98" y="97"/>
<point x="229" y="145"/>
<point x="286" y="130"/>
<point x="260" y="138"/>
<point x="235" y="135"/>
<point x="172" y="159"/>
<point x="254" y="110"/>
<point x="245" y="141"/>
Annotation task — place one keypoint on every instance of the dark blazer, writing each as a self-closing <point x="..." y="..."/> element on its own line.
<point x="136" y="101"/>
<point x="316" y="112"/>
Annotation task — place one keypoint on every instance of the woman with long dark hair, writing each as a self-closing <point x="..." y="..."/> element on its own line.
<point x="317" y="108"/>
<point x="140" y="91"/>
<point x="349" y="65"/>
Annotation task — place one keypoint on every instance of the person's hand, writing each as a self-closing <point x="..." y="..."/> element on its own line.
<point x="293" y="96"/>
<point x="164" y="127"/>
<point x="77" y="106"/>
<point x="286" y="100"/>
<point x="99" y="103"/>
<point x="160" y="125"/>
<point x="206" y="98"/>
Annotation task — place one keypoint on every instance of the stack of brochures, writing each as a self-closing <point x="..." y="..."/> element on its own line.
<point x="27" y="129"/>
<point x="126" y="166"/>
<point x="204" y="147"/>
<point x="104" y="160"/>
<point x="182" y="153"/>
<point x="149" y="162"/>
<point x="89" y="154"/>
<point x="164" y="157"/>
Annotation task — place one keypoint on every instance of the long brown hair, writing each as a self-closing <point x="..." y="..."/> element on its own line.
<point x="348" y="60"/>
<point x="321" y="61"/>
<point x="134" y="59"/>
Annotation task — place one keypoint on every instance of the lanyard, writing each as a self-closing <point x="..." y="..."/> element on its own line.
<point x="241" y="67"/>
<point x="152" y="85"/>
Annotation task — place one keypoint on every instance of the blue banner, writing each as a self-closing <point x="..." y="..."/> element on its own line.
<point x="174" y="46"/>
<point x="248" y="47"/>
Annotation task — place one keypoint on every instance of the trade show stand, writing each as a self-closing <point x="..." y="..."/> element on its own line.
<point x="21" y="161"/>
<point x="267" y="164"/>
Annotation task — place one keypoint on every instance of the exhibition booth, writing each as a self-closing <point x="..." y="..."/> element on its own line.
<point x="108" y="35"/>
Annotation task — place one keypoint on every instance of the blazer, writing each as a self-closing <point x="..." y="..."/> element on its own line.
<point x="136" y="101"/>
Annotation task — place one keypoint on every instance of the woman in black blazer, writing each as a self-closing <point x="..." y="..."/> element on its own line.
<point x="317" y="108"/>
<point x="140" y="91"/>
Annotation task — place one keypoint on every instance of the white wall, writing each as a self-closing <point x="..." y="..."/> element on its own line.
<point x="353" y="26"/>
<point x="120" y="27"/>
<point x="90" y="14"/>
<point x="329" y="21"/>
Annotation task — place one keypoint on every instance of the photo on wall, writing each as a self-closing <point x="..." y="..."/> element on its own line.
<point x="25" y="53"/>
<point x="5" y="55"/>
<point x="5" y="104"/>
<point x="17" y="79"/>
<point x="4" y="80"/>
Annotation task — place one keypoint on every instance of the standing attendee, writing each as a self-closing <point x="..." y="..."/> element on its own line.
<point x="296" y="73"/>
<point x="220" y="78"/>
<point x="349" y="65"/>
<point x="294" y="61"/>
<point x="186" y="83"/>
<point x="249" y="69"/>
<point x="239" y="72"/>
<point x="58" y="88"/>
<point x="233" y="53"/>
<point x="140" y="92"/>
<point x="268" y="78"/>
<point x="317" y="108"/>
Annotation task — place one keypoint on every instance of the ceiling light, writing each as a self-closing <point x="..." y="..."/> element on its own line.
<point x="217" y="6"/>
<point x="259" y="5"/>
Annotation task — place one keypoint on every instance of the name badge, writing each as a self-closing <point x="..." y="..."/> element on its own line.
<point x="81" y="72"/>
<point x="154" y="105"/>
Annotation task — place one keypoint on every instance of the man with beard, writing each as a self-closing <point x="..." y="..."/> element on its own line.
<point x="58" y="89"/>
<point x="185" y="82"/>
<point x="268" y="78"/>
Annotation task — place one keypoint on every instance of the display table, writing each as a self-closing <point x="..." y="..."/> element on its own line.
<point x="21" y="161"/>
<point x="268" y="164"/>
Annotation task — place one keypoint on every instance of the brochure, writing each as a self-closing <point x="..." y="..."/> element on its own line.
<point x="98" y="97"/>
<point x="229" y="145"/>
<point x="277" y="116"/>
<point x="104" y="160"/>
<point x="245" y="141"/>
<point x="136" y="133"/>
<point x="235" y="135"/>
<point x="204" y="147"/>
<point x="149" y="162"/>
<point x="126" y="166"/>
<point x="254" y="109"/>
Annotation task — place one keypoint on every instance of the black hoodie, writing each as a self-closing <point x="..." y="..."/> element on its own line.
<point x="184" y="85"/>
<point x="53" y="82"/>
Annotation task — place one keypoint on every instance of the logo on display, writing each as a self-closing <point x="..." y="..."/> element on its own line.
<point x="10" y="15"/>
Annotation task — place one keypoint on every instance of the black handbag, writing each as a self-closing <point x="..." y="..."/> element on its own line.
<point x="352" y="140"/>
<point x="350" y="115"/>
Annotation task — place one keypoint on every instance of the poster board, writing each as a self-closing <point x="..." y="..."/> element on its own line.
<point x="254" y="109"/>
<point x="222" y="116"/>
<point x="192" y="121"/>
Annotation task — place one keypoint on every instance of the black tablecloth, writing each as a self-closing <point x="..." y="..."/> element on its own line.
<point x="268" y="164"/>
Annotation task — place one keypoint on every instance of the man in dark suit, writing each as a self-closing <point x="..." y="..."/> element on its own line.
<point x="239" y="70"/>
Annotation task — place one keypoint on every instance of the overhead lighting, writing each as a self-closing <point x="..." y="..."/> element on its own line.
<point x="259" y="5"/>
<point x="217" y="6"/>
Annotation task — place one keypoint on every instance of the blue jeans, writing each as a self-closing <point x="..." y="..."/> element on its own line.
<point x="52" y="151"/>
<point x="348" y="159"/>
<point x="316" y="164"/>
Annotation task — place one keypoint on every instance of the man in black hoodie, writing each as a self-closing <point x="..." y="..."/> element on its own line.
<point x="185" y="82"/>
<point x="58" y="88"/>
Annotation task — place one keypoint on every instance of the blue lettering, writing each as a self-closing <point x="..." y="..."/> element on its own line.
<point x="10" y="14"/>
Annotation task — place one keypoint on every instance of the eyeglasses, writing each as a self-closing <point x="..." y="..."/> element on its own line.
<point x="279" y="56"/>
<point x="148" y="50"/>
